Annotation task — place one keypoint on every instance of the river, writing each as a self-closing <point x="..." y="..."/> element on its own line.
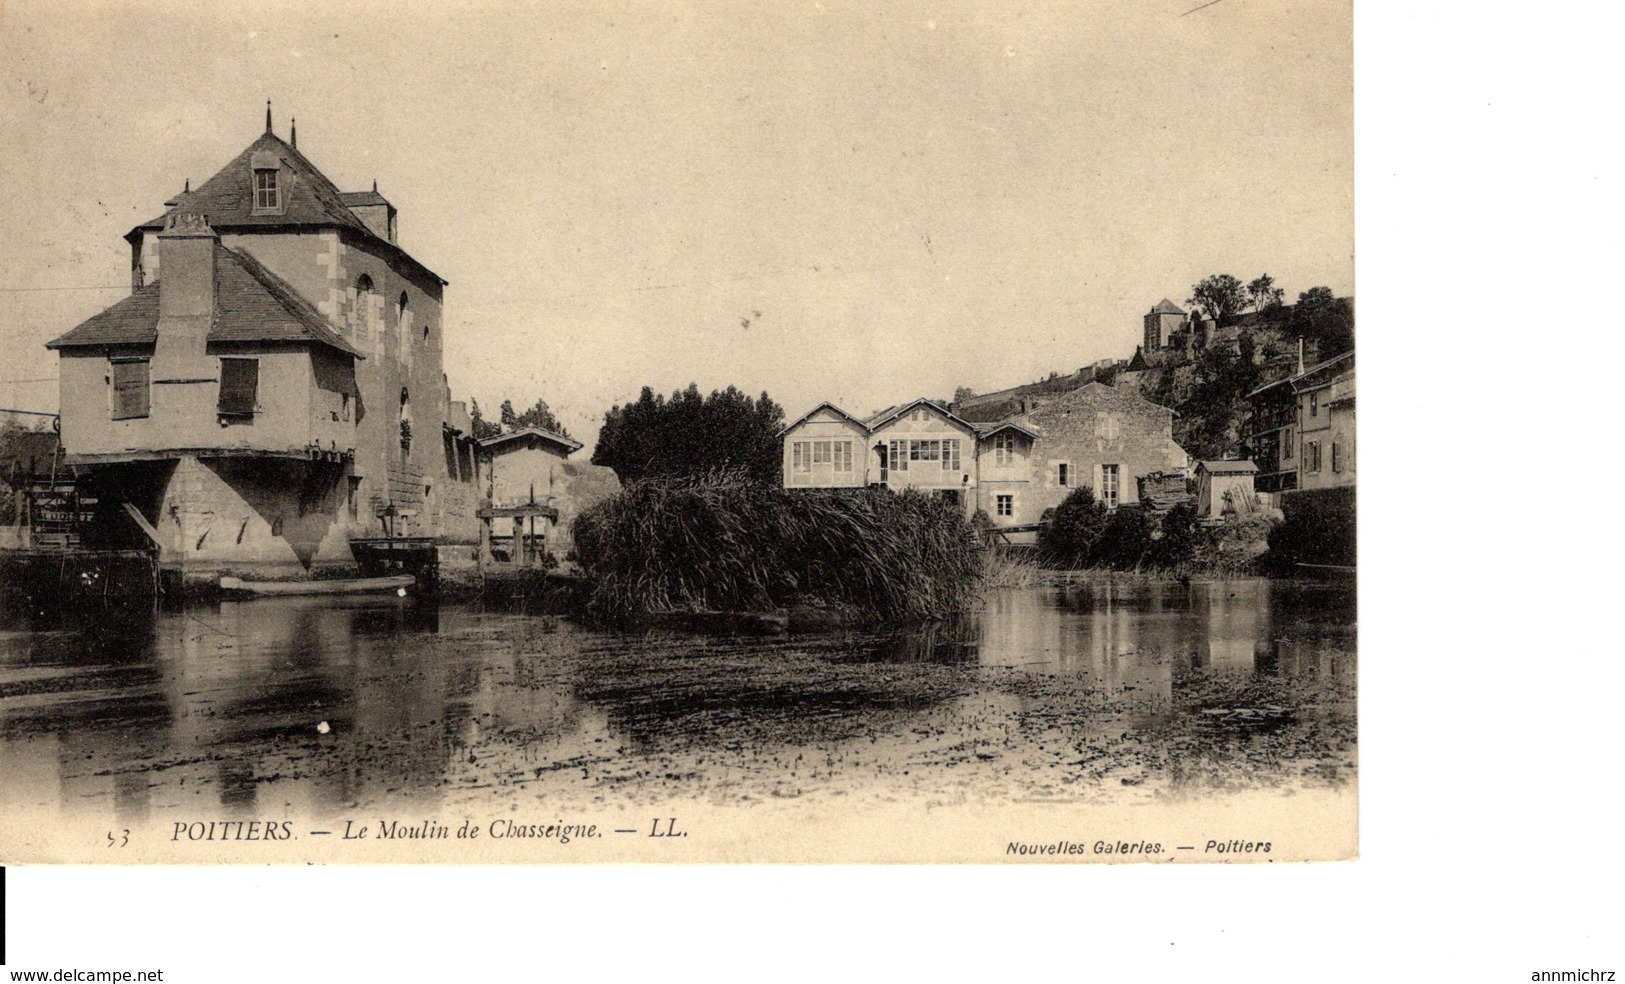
<point x="325" y="707"/>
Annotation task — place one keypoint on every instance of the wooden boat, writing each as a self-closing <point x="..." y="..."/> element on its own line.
<point x="396" y="583"/>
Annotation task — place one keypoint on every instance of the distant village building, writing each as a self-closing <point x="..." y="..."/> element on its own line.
<point x="1161" y="323"/>
<point x="1272" y="435"/>
<point x="1301" y="428"/>
<point x="1325" y="395"/>
<point x="1013" y="470"/>
<point x="273" y="386"/>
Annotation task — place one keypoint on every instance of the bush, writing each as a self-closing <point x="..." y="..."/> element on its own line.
<point x="1319" y="528"/>
<point x="1179" y="539"/>
<point x="1125" y="541"/>
<point x="723" y="542"/>
<point x="1069" y="539"/>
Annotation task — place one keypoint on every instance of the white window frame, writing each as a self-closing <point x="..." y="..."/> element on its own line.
<point x="267" y="190"/>
<point x="1111" y="478"/>
<point x="1004" y="504"/>
<point x="1004" y="449"/>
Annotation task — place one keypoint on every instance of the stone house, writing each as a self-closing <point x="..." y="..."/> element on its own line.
<point x="272" y="388"/>
<point x="1104" y="438"/>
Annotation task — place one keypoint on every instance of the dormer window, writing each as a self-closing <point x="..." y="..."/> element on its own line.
<point x="267" y="193"/>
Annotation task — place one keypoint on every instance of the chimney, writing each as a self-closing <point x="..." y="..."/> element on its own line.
<point x="186" y="295"/>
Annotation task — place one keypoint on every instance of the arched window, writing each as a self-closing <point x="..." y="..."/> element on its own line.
<point x="363" y="310"/>
<point x="405" y="398"/>
<point x="403" y="316"/>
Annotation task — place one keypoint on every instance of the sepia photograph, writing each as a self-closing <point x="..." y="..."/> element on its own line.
<point x="537" y="434"/>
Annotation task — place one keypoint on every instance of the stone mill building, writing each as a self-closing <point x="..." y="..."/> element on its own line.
<point x="272" y="387"/>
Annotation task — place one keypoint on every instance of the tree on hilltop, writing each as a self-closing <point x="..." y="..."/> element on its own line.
<point x="1219" y="296"/>
<point x="1326" y="318"/>
<point x="1263" y="293"/>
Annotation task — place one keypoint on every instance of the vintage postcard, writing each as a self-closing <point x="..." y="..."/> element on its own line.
<point x="678" y="433"/>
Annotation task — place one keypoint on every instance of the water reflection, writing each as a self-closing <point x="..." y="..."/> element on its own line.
<point x="315" y="706"/>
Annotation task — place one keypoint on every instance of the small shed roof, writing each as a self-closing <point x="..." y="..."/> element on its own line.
<point x="527" y="437"/>
<point x="1242" y="467"/>
<point x="988" y="430"/>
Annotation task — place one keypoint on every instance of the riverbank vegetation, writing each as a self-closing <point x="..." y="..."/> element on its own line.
<point x="689" y="435"/>
<point x="724" y="542"/>
<point x="1084" y="534"/>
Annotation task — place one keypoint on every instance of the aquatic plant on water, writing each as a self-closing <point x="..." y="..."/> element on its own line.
<point x="722" y="542"/>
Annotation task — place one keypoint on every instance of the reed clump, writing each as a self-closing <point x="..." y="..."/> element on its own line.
<point x="722" y="543"/>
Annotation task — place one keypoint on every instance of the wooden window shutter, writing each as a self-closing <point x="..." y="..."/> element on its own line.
<point x="131" y="393"/>
<point x="239" y="386"/>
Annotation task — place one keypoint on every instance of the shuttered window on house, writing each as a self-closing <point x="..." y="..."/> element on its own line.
<point x="131" y="390"/>
<point x="239" y="387"/>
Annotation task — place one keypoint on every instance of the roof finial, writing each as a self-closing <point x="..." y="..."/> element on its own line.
<point x="267" y="116"/>
<point x="293" y="133"/>
<point x="375" y="186"/>
<point x="188" y="189"/>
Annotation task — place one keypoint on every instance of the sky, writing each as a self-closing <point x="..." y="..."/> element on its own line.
<point x="857" y="203"/>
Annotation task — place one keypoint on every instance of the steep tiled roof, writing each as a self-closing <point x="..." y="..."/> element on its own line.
<point x="309" y="198"/>
<point x="1098" y="394"/>
<point x="355" y="198"/>
<point x="132" y="321"/>
<point x="228" y="197"/>
<point x="252" y="304"/>
<point x="1165" y="306"/>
